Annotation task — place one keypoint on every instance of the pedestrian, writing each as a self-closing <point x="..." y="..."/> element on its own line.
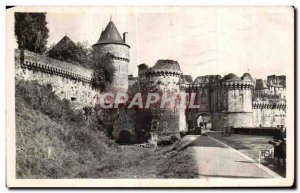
<point x="205" y="124"/>
<point x="280" y="144"/>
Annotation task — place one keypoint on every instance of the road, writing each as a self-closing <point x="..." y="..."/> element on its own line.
<point x="216" y="159"/>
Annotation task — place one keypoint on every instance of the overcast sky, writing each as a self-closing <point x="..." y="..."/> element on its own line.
<point x="206" y="40"/>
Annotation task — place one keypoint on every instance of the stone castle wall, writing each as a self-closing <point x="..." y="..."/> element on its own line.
<point x="228" y="103"/>
<point x="68" y="80"/>
<point x="221" y="120"/>
<point x="266" y="114"/>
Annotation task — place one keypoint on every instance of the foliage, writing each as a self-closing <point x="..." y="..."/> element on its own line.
<point x="103" y="72"/>
<point x="167" y="140"/>
<point x="79" y="53"/>
<point x="43" y="98"/>
<point x="84" y="54"/>
<point x="31" y="31"/>
<point x="55" y="141"/>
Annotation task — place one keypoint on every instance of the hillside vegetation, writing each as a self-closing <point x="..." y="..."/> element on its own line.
<point x="53" y="140"/>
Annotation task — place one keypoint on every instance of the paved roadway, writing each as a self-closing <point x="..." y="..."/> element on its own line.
<point x="216" y="159"/>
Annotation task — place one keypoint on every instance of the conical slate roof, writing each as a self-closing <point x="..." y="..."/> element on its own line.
<point x="230" y="77"/>
<point x="110" y="35"/>
<point x="247" y="77"/>
<point x="261" y="84"/>
<point x="64" y="43"/>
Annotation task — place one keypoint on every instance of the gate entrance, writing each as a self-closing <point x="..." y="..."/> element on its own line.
<point x="204" y="121"/>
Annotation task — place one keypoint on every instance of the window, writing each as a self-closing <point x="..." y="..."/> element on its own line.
<point x="203" y="97"/>
<point x="241" y="92"/>
<point x="154" y="125"/>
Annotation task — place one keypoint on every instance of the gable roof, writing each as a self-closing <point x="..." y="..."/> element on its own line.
<point x="64" y="43"/>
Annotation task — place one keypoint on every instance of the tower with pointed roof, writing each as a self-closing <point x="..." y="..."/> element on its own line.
<point x="111" y="44"/>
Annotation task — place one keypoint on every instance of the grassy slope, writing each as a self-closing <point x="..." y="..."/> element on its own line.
<point x="53" y="147"/>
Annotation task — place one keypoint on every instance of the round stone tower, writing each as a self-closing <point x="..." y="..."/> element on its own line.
<point x="163" y="78"/>
<point x="111" y="44"/>
<point x="232" y="102"/>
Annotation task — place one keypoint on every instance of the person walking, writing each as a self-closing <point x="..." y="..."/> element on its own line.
<point x="279" y="142"/>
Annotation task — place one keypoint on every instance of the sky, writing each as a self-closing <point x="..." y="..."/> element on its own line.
<point x="204" y="40"/>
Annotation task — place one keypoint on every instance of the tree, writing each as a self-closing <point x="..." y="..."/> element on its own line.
<point x="103" y="72"/>
<point x="67" y="50"/>
<point x="84" y="54"/>
<point x="31" y="31"/>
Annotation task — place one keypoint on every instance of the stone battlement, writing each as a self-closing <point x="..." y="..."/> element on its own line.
<point x="36" y="62"/>
<point x="235" y="85"/>
<point x="268" y="105"/>
<point x="165" y="67"/>
<point x="68" y="80"/>
<point x="229" y="81"/>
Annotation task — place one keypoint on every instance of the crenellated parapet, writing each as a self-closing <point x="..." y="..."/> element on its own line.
<point x="165" y="68"/>
<point x="39" y="63"/>
<point x="163" y="73"/>
<point x="31" y="65"/>
<point x="69" y="81"/>
<point x="228" y="82"/>
<point x="234" y="85"/>
<point x="199" y="85"/>
<point x="184" y="87"/>
<point x="268" y="105"/>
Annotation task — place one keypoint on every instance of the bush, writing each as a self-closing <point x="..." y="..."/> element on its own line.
<point x="125" y="137"/>
<point x="167" y="140"/>
<point x="42" y="97"/>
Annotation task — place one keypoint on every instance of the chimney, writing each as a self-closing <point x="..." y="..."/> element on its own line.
<point x="125" y="37"/>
